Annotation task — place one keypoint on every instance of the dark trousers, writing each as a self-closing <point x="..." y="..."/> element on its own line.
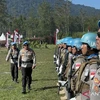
<point x="26" y="76"/>
<point x="14" y="71"/>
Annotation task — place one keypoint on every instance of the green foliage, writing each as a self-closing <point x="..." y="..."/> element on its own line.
<point x="38" y="45"/>
<point x="46" y="22"/>
<point x="44" y="16"/>
<point x="3" y="15"/>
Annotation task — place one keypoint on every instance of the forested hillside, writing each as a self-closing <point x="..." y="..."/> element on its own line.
<point x="24" y="7"/>
<point x="41" y="18"/>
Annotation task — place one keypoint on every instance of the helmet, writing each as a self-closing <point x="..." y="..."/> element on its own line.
<point x="70" y="42"/>
<point x="90" y="39"/>
<point x="25" y="43"/>
<point x="66" y="39"/>
<point x="13" y="43"/>
<point x="77" y="43"/>
<point x="62" y="40"/>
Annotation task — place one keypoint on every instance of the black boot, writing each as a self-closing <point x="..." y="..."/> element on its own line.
<point x="12" y="78"/>
<point x="29" y="87"/>
<point x="16" y="80"/>
<point x="24" y="90"/>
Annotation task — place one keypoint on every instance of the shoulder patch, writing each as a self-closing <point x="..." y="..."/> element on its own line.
<point x="77" y="65"/>
<point x="96" y="80"/>
<point x="96" y="89"/>
<point x="92" y="73"/>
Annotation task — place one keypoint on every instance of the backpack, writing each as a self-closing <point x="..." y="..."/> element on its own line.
<point x="79" y="83"/>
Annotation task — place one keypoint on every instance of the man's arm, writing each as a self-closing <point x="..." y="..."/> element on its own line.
<point x="8" y="55"/>
<point x="34" y="60"/>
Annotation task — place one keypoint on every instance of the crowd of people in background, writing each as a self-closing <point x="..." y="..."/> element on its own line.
<point x="77" y="65"/>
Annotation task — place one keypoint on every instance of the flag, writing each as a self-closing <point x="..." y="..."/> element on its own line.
<point x="15" y="36"/>
<point x="77" y="65"/>
<point x="92" y="73"/>
<point x="7" y="39"/>
<point x="57" y="31"/>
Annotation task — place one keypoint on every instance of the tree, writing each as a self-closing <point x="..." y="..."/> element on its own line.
<point x="19" y="24"/>
<point x="3" y="15"/>
<point x="46" y="21"/>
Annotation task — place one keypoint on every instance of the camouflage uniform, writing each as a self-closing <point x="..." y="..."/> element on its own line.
<point x="62" y="61"/>
<point x="67" y="74"/>
<point x="87" y="77"/>
<point x="78" y="60"/>
<point x="57" y="57"/>
<point x="95" y="85"/>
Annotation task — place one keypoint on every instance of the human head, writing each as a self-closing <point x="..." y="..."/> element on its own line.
<point x="76" y="48"/>
<point x="13" y="45"/>
<point x="88" y="43"/>
<point x="69" y="44"/>
<point x="25" y="45"/>
<point x="98" y="40"/>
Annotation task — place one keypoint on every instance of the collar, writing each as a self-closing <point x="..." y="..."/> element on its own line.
<point x="92" y="56"/>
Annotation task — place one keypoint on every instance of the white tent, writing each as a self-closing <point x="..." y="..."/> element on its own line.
<point x="2" y="37"/>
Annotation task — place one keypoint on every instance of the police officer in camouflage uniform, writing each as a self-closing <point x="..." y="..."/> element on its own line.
<point x="68" y="63"/>
<point x="26" y="62"/>
<point x="78" y="59"/>
<point x="13" y="56"/>
<point x="95" y="85"/>
<point x="63" y="62"/>
<point x="87" y="72"/>
<point x="57" y="55"/>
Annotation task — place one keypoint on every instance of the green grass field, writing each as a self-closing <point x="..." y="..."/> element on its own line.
<point x="44" y="78"/>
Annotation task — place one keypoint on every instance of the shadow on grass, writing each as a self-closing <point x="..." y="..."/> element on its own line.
<point x="46" y="88"/>
<point x="44" y="79"/>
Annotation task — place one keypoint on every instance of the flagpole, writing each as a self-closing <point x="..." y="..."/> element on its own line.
<point x="57" y="31"/>
<point x="56" y="38"/>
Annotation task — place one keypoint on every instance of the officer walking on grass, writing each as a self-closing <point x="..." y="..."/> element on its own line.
<point x="13" y="56"/>
<point x="26" y="62"/>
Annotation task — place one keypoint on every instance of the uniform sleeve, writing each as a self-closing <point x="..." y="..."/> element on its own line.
<point x="34" y="59"/>
<point x="19" y="59"/>
<point x="8" y="55"/>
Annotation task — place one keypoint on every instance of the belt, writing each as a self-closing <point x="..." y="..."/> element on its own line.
<point x="31" y="61"/>
<point x="15" y="58"/>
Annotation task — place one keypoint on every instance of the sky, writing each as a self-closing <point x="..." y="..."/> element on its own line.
<point x="91" y="3"/>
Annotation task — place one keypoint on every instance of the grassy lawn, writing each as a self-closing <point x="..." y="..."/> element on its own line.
<point x="44" y="78"/>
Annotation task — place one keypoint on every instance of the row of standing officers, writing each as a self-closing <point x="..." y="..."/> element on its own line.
<point x="78" y="67"/>
<point x="23" y="59"/>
